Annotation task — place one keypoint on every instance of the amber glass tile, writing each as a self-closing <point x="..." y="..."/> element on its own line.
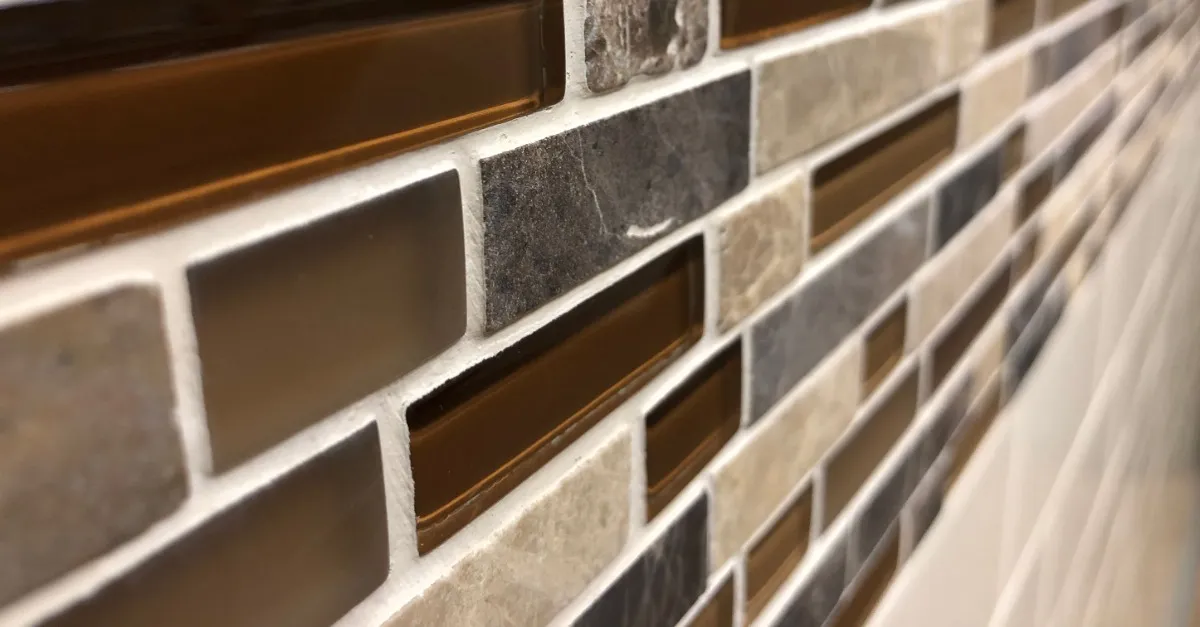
<point x="952" y="345"/>
<point x="971" y="434"/>
<point x="1058" y="8"/>
<point x="476" y="437"/>
<point x="777" y="554"/>
<point x="691" y="425"/>
<point x="885" y="347"/>
<point x="860" y="604"/>
<point x="744" y="22"/>
<point x="1024" y="258"/>
<point x="848" y="189"/>
<point x="298" y="326"/>
<point x="1034" y="190"/>
<point x="1010" y="20"/>
<point x="862" y="452"/>
<point x="302" y="552"/>
<point x="718" y="612"/>
<point x="119" y="124"/>
<point x="1014" y="152"/>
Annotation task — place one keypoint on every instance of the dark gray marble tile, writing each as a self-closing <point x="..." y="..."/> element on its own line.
<point x="878" y="516"/>
<point x="663" y="583"/>
<point x="962" y="197"/>
<point x="1028" y="347"/>
<point x="799" y="333"/>
<point x="559" y="211"/>
<point x="625" y="38"/>
<point x="89" y="455"/>
<point x="815" y="601"/>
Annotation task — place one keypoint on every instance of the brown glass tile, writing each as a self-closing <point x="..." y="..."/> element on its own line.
<point x="298" y="326"/>
<point x="475" y="438"/>
<point x="1014" y="152"/>
<point x="862" y="452"/>
<point x="858" y="606"/>
<point x="302" y="552"/>
<point x="953" y="344"/>
<point x="885" y="347"/>
<point x="850" y="188"/>
<point x="1024" y="257"/>
<point x="1010" y="20"/>
<point x="173" y="134"/>
<point x="718" y="612"/>
<point x="1034" y="190"/>
<point x="744" y="22"/>
<point x="777" y="554"/>
<point x="971" y="433"/>
<point x="1058" y="8"/>
<point x="688" y="428"/>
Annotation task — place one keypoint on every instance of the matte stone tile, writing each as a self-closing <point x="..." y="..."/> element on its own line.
<point x="303" y="551"/>
<point x="821" y="93"/>
<point x="559" y="211"/>
<point x="762" y="249"/>
<point x="967" y="34"/>
<point x="541" y="558"/>
<point x="991" y="98"/>
<point x="801" y="331"/>
<point x="89" y="455"/>
<point x="1010" y="20"/>
<point x="1028" y="346"/>
<point x="1076" y="92"/>
<point x="963" y="197"/>
<point x="780" y="451"/>
<point x="1085" y="138"/>
<point x="956" y="402"/>
<point x="818" y="596"/>
<point x="1059" y="57"/>
<point x="877" y="517"/>
<point x="663" y="583"/>
<point x="625" y="38"/>
<point x="298" y="326"/>
<point x="922" y="510"/>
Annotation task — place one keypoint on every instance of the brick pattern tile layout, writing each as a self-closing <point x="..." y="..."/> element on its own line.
<point x="509" y="313"/>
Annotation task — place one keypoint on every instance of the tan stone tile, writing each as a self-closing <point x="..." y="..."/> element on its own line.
<point x="1072" y="97"/>
<point x="762" y="248"/>
<point x="781" y="449"/>
<point x="992" y="97"/>
<point x="539" y="560"/>
<point x="967" y="32"/>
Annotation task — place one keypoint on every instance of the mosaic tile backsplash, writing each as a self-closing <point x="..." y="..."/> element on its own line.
<point x="616" y="313"/>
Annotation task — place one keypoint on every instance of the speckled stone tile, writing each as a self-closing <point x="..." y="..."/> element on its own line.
<point x="815" y="95"/>
<point x="967" y="33"/>
<point x="817" y="597"/>
<point x="762" y="249"/>
<point x="962" y="198"/>
<point x="625" y="38"/>
<point x="559" y="211"/>
<point x="663" y="583"/>
<point x="802" y="330"/>
<point x="1028" y="346"/>
<point x="992" y="97"/>
<point x="1073" y="95"/>
<point x="944" y="281"/>
<point x="877" y="517"/>
<point x="89" y="454"/>
<point x="750" y="484"/>
<point x="540" y="560"/>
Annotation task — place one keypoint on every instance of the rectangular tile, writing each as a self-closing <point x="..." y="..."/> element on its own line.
<point x="817" y="597"/>
<point x="1028" y="346"/>
<point x="1071" y="97"/>
<point x="1034" y="189"/>
<point x="1014" y="152"/>
<point x="686" y="430"/>
<point x="880" y="515"/>
<point x="884" y="347"/>
<point x="853" y="186"/>
<point x="858" y="455"/>
<point x="856" y="609"/>
<point x="955" y="405"/>
<point x="744" y="22"/>
<point x="952" y="344"/>
<point x="773" y="558"/>
<point x="300" y="325"/>
<point x="801" y="331"/>
<point x="1085" y="138"/>
<point x="1059" y="57"/>
<point x="625" y="39"/>
<point x="1010" y="20"/>
<point x="966" y="36"/>
<point x="990" y="98"/>
<point x="559" y="211"/>
<point x="810" y="97"/>
<point x="961" y="198"/>
<point x="82" y="387"/>
<point x="161" y="112"/>
<point x="478" y="436"/>
<point x="922" y="510"/>
<point x="303" y="551"/>
<point x="972" y="432"/>
<point x="718" y="611"/>
<point x="1024" y="256"/>
<point x="663" y="583"/>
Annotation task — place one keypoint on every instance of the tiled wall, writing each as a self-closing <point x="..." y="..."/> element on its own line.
<point x="700" y="331"/>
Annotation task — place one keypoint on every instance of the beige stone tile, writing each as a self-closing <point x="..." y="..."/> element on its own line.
<point x="946" y="279"/>
<point x="987" y="354"/>
<point x="967" y="30"/>
<point x="538" y="561"/>
<point x="992" y="97"/>
<point x="817" y="94"/>
<point x="762" y="248"/>
<point x="1071" y="97"/>
<point x="753" y="481"/>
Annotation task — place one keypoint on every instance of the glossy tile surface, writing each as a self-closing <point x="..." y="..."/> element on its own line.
<point x="478" y="436"/>
<point x="773" y="558"/>
<point x="718" y="611"/>
<point x="300" y="325"/>
<point x="953" y="343"/>
<point x="1010" y="20"/>
<point x="745" y="22"/>
<point x="885" y="347"/>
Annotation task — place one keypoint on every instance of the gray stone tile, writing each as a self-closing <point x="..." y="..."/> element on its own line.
<point x="1028" y="346"/>
<point x="816" y="599"/>
<point x="877" y="517"/>
<point x="625" y="38"/>
<point x="801" y="331"/>
<point x="89" y="454"/>
<point x="559" y="211"/>
<point x="964" y="196"/>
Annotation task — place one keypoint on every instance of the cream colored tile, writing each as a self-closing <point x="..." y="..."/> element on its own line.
<point x="967" y="30"/>
<point x="1071" y="97"/>
<point x="992" y="97"/>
